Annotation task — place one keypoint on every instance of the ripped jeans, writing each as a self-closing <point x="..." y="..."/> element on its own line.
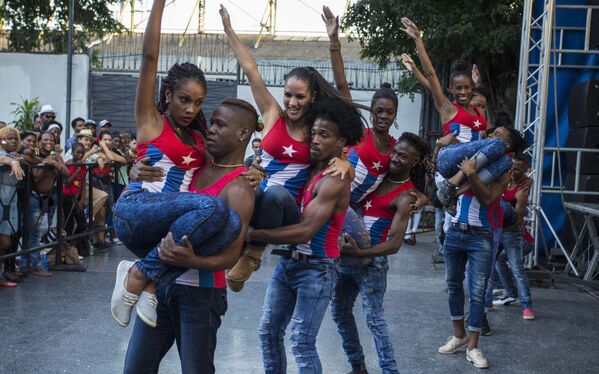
<point x="299" y="292"/>
<point x="371" y="283"/>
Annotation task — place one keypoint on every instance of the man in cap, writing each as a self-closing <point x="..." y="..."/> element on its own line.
<point x="105" y="125"/>
<point x="47" y="115"/>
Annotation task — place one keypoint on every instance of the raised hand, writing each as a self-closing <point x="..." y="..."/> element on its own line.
<point x="407" y="61"/>
<point x="331" y="21"/>
<point x="476" y="76"/>
<point x="410" y="28"/>
<point x="224" y="15"/>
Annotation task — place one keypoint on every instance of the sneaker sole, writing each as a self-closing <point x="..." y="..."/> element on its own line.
<point x="116" y="283"/>
<point x="475" y="365"/>
<point x="529" y="318"/>
<point x="146" y="320"/>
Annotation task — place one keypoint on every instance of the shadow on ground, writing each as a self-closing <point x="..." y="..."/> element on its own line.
<point x="63" y="325"/>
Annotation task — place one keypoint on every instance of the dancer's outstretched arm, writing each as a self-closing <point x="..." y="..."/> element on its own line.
<point x="147" y="119"/>
<point x="267" y="104"/>
<point x="411" y="66"/>
<point x="445" y="108"/>
<point x="332" y="23"/>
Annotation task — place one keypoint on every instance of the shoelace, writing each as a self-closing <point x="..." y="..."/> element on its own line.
<point x="153" y="301"/>
<point x="129" y="299"/>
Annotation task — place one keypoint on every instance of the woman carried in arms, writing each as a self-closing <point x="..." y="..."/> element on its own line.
<point x="285" y="148"/>
<point x="172" y="138"/>
<point x="463" y="124"/>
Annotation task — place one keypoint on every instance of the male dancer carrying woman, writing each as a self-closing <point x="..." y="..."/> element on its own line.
<point x="172" y="138"/>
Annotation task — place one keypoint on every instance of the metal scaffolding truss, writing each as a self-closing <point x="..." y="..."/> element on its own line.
<point x="542" y="50"/>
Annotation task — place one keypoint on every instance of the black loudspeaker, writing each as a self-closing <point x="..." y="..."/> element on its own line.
<point x="583" y="105"/>
<point x="584" y="137"/>
<point x="586" y="183"/>
<point x="594" y="26"/>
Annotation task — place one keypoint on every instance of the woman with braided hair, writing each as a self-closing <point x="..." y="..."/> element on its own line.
<point x="172" y="139"/>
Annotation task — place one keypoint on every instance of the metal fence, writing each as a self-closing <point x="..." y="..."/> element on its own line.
<point x="20" y="233"/>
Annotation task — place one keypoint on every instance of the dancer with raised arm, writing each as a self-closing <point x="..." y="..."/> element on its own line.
<point x="190" y="308"/>
<point x="172" y="138"/>
<point x="285" y="153"/>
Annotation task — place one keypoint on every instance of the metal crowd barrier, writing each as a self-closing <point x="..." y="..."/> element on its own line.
<point x="20" y="234"/>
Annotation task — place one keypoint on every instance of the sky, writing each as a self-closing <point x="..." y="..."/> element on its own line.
<point x="293" y="17"/>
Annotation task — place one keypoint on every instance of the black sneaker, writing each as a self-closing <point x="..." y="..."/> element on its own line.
<point x="486" y="328"/>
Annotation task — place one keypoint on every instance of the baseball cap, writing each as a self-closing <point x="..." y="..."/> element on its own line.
<point x="47" y="109"/>
<point x="105" y="122"/>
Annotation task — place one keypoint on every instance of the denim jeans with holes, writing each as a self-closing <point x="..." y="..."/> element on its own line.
<point x="513" y="244"/>
<point x="371" y="283"/>
<point x="299" y="292"/>
<point x="473" y="247"/>
<point x="142" y="219"/>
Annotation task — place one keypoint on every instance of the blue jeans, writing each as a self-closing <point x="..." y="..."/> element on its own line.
<point x="491" y="161"/>
<point x="299" y="292"/>
<point x="512" y="242"/>
<point x="371" y="283"/>
<point x="142" y="219"/>
<point x="187" y="315"/>
<point x="273" y="208"/>
<point x="472" y="246"/>
<point x="354" y="226"/>
<point x="38" y="225"/>
<point x="439" y="217"/>
<point x="490" y="283"/>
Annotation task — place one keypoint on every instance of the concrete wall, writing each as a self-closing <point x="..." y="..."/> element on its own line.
<point x="408" y="117"/>
<point x="43" y="76"/>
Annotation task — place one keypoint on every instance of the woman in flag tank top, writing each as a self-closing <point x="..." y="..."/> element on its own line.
<point x="285" y="148"/>
<point x="460" y="116"/>
<point x="386" y="214"/>
<point x="171" y="137"/>
<point x="191" y="307"/>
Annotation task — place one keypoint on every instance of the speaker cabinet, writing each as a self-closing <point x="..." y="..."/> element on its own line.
<point x="584" y="137"/>
<point x="586" y="183"/>
<point x="583" y="105"/>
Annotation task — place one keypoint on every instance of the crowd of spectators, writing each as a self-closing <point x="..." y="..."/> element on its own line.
<point x="30" y="163"/>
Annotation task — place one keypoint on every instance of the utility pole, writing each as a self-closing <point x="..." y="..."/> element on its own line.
<point x="202" y="16"/>
<point x="67" y="125"/>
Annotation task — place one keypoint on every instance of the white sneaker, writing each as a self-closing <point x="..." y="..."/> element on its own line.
<point x="122" y="302"/>
<point x="507" y="301"/>
<point x="499" y="293"/>
<point x="476" y="357"/>
<point x="453" y="344"/>
<point x="146" y="308"/>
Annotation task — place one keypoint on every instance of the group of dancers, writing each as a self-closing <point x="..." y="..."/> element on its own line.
<point x="332" y="195"/>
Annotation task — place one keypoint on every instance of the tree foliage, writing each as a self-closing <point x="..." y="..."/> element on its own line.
<point x="483" y="32"/>
<point x="37" y="23"/>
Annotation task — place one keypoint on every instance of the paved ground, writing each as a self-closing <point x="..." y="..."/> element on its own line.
<point x="63" y="325"/>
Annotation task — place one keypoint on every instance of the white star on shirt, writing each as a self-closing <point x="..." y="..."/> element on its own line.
<point x="368" y="205"/>
<point x="377" y="165"/>
<point x="188" y="159"/>
<point x="477" y="124"/>
<point x="289" y="151"/>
